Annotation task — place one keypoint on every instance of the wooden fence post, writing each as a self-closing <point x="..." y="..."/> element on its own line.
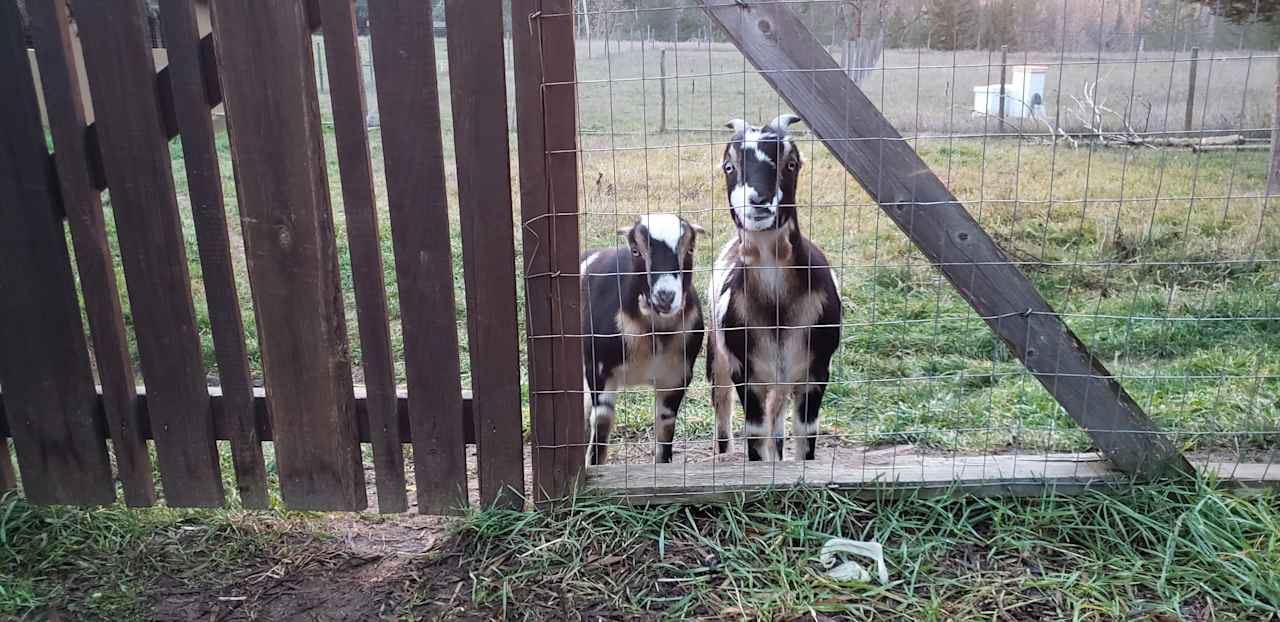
<point x="61" y="75"/>
<point x="355" y="166"/>
<point x="1004" y="66"/>
<point x="478" y="87"/>
<point x="1273" y="177"/>
<point x="1191" y="89"/>
<point x="273" y="121"/>
<point x="135" y="154"/>
<point x="662" y="90"/>
<point x="546" y="116"/>
<point x="801" y="70"/>
<point x="404" y="59"/>
<point x="44" y="360"/>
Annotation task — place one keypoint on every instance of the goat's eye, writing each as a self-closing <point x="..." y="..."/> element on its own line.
<point x="728" y="168"/>
<point x="791" y="166"/>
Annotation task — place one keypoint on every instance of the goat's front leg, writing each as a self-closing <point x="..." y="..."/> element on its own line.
<point x="666" y="407"/>
<point x="804" y="422"/>
<point x="600" y="415"/>
<point x="721" y="398"/>
<point x="756" y="429"/>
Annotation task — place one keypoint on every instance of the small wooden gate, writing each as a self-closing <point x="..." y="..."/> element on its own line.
<point x="255" y="59"/>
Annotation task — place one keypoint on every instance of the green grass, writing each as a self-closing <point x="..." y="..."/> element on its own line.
<point x="100" y="563"/>
<point x="1156" y="552"/>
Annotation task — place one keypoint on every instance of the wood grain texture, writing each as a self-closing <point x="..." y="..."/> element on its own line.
<point x="985" y="476"/>
<point x="477" y="70"/>
<point x="262" y="420"/>
<point x="135" y="153"/>
<point x="546" y="119"/>
<point x="561" y="125"/>
<point x="273" y="120"/>
<point x="44" y="361"/>
<point x="204" y="188"/>
<point x="346" y="88"/>
<point x="408" y="104"/>
<point x="790" y="59"/>
<point x="60" y="75"/>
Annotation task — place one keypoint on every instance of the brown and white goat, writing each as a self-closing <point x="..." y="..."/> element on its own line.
<point x="777" y="313"/>
<point x="642" y="326"/>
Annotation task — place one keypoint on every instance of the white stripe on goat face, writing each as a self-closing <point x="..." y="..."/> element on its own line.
<point x="665" y="235"/>
<point x="756" y="171"/>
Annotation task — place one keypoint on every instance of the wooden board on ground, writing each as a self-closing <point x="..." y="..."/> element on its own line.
<point x="44" y="360"/>
<point x="204" y="187"/>
<point x="478" y="89"/>
<point x="404" y="60"/>
<point x="800" y="69"/>
<point x="60" y="75"/>
<point x="546" y="105"/>
<point x="346" y="88"/>
<point x="273" y="120"/>
<point x="997" y="475"/>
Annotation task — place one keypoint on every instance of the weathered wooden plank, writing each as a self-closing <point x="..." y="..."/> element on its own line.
<point x="44" y="361"/>
<point x="561" y="118"/>
<point x="546" y="117"/>
<point x="204" y="187"/>
<point x="478" y="87"/>
<point x="119" y="64"/>
<point x="262" y="420"/>
<point x="273" y="120"/>
<point x="60" y="77"/>
<point x="790" y="59"/>
<point x="404" y="59"/>
<point x="346" y="87"/>
<point x="986" y="476"/>
<point x="527" y="58"/>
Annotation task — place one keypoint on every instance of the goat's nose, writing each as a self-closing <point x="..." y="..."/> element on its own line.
<point x="664" y="298"/>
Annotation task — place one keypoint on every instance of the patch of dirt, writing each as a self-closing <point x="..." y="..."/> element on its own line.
<point x="347" y="568"/>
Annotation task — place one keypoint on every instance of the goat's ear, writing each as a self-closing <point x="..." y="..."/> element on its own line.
<point x="783" y="121"/>
<point x="697" y="227"/>
<point x="737" y="125"/>
<point x="624" y="231"/>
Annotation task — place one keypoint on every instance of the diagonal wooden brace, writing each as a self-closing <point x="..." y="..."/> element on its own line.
<point x="789" y="57"/>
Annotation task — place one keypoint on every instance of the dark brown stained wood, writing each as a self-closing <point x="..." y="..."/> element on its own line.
<point x="546" y="118"/>
<point x="60" y="77"/>
<point x="478" y="84"/>
<point x="204" y="186"/>
<point x="262" y="420"/>
<point x="790" y="59"/>
<point x="527" y="58"/>
<point x="118" y="61"/>
<point x="44" y="361"/>
<point x="213" y="90"/>
<point x="273" y="120"/>
<point x="404" y="60"/>
<point x="346" y="88"/>
<point x="561" y="118"/>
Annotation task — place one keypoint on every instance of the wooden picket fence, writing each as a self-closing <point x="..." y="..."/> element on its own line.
<point x="255" y="59"/>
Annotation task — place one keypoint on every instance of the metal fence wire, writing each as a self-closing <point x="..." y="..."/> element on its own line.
<point x="1115" y="150"/>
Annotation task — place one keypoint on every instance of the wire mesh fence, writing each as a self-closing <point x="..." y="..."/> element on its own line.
<point x="1116" y="151"/>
